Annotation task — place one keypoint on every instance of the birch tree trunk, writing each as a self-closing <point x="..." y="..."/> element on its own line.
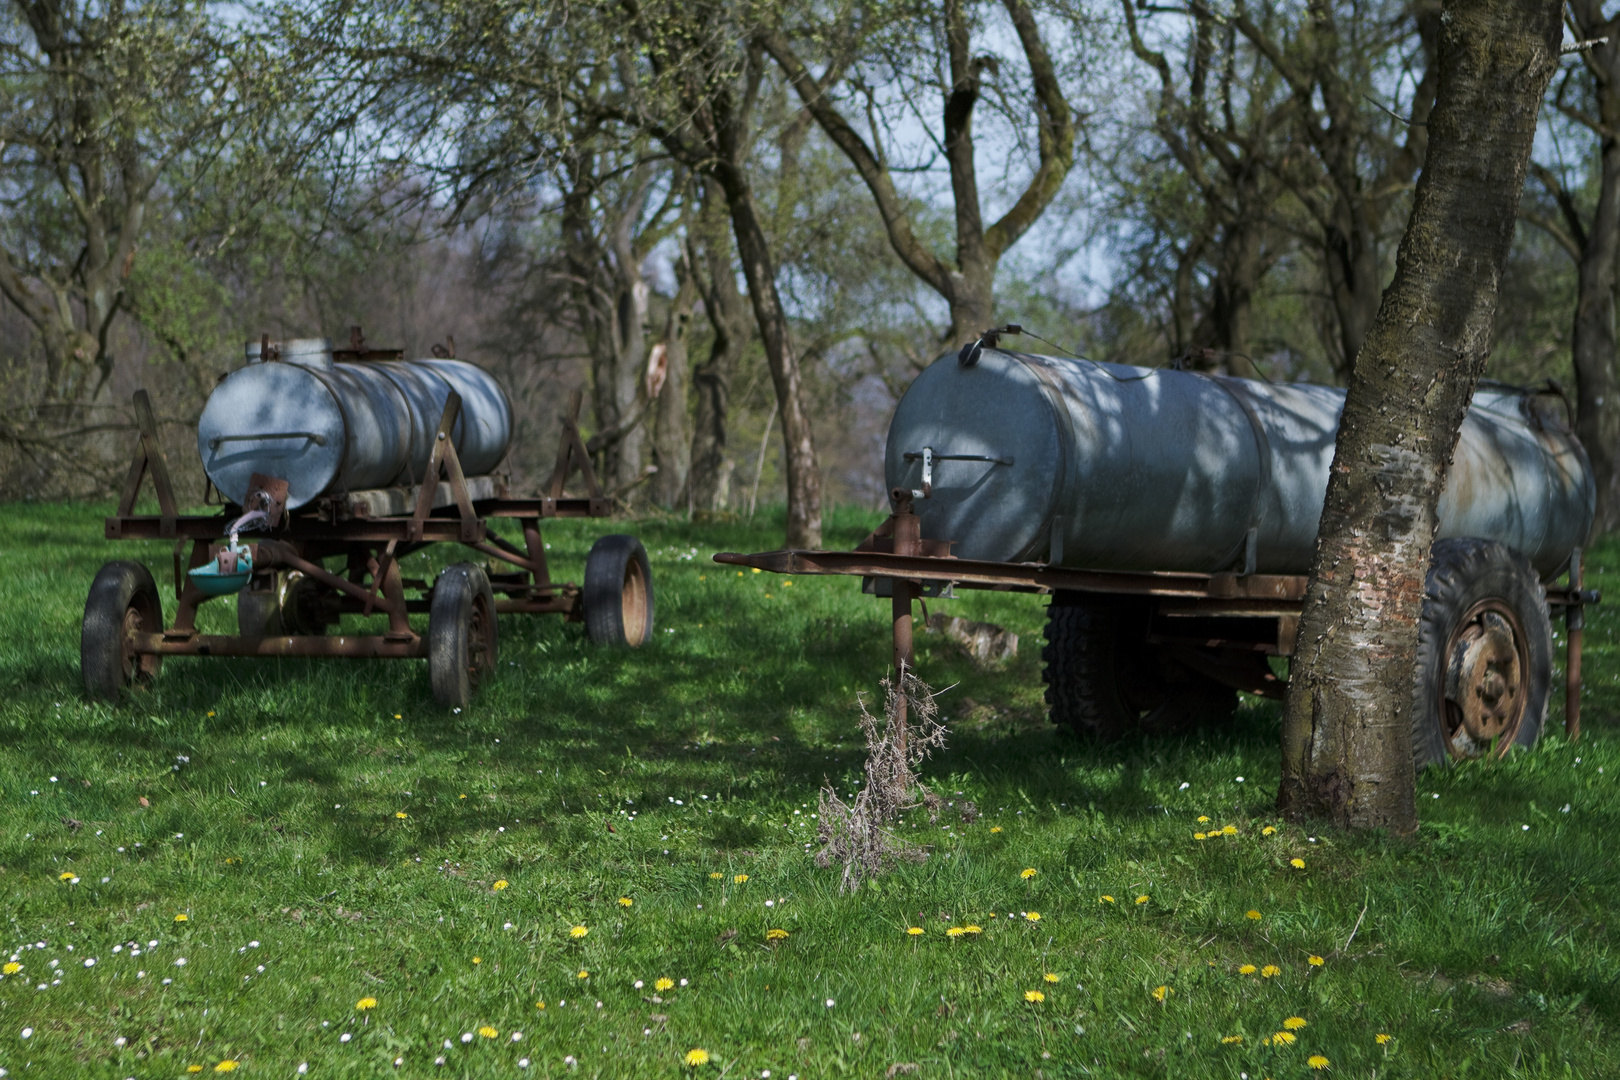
<point x="1347" y="725"/>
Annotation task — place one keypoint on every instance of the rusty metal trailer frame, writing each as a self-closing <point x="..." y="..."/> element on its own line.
<point x="1206" y="605"/>
<point x="371" y="583"/>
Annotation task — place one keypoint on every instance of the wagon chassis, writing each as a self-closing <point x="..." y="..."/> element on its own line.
<point x="445" y="508"/>
<point x="1222" y="625"/>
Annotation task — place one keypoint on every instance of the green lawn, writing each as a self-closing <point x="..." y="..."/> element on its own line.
<point x="318" y="833"/>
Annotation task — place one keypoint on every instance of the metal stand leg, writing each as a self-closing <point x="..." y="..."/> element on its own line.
<point x="1574" y="627"/>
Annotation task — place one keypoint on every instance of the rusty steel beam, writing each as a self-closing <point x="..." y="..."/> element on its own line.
<point x="1257" y="594"/>
<point x="157" y="644"/>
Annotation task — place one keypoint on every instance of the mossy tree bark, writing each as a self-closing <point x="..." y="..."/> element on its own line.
<point x="1347" y="725"/>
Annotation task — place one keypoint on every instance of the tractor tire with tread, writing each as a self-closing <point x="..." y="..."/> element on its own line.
<point x="1103" y="680"/>
<point x="1484" y="663"/>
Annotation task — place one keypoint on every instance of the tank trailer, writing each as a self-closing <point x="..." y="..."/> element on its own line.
<point x="343" y="462"/>
<point x="1171" y="517"/>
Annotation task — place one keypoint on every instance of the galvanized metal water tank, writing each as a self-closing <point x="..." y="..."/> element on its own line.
<point x="326" y="426"/>
<point x="1116" y="467"/>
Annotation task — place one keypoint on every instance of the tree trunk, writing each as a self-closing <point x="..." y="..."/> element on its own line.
<point x="1347" y="725"/>
<point x="709" y="480"/>
<point x="803" y="473"/>
<point x="672" y="442"/>
<point x="1597" y="388"/>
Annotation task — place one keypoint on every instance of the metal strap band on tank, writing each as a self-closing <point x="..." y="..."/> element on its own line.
<point x="1249" y="545"/>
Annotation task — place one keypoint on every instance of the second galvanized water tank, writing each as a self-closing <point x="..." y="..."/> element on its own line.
<point x="1115" y="467"/>
<point x="328" y="427"/>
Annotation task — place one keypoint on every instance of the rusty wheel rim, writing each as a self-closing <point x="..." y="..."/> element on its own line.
<point x="1483" y="694"/>
<point x="138" y="619"/>
<point x="478" y="642"/>
<point x="633" y="603"/>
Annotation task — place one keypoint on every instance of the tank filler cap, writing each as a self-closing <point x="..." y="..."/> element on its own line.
<point x="969" y="356"/>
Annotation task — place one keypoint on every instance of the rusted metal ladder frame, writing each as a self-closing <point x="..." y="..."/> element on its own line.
<point x="572" y="451"/>
<point x="148" y="457"/>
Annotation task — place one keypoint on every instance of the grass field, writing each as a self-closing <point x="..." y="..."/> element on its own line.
<point x="231" y="865"/>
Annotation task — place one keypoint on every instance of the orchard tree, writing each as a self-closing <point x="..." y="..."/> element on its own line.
<point x="1347" y="724"/>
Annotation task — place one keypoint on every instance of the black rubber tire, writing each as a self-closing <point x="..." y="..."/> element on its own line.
<point x="1463" y="574"/>
<point x="618" y="592"/>
<point x="1103" y="680"/>
<point x="302" y="601"/>
<point x="123" y="598"/>
<point x="1078" y="667"/>
<point x="463" y="642"/>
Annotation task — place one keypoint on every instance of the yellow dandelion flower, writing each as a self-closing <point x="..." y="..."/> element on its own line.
<point x="1315" y="961"/>
<point x="226" y="1066"/>
<point x="775" y="935"/>
<point x="663" y="984"/>
<point x="365" y="1003"/>
<point x="1033" y="916"/>
<point x="1029" y="873"/>
<point x="1050" y="977"/>
<point x="463" y="795"/>
<point x="625" y="901"/>
<point x="1199" y="836"/>
<point x="397" y="716"/>
<point x="914" y="931"/>
<point x="578" y="932"/>
<point x="1294" y="1023"/>
<point x="583" y="974"/>
<point x="1142" y="899"/>
<point x="1247" y="969"/>
<point x="1232" y="1040"/>
<point x="955" y="931"/>
<point x="995" y="828"/>
<point x="1297" y="864"/>
<point x="1269" y="830"/>
<point x="1229" y="830"/>
<point x="1203" y="819"/>
<point x="182" y="917"/>
<point x="971" y="929"/>
<point x="1034" y="995"/>
<point x="1317" y="1061"/>
<point x="1283" y="1038"/>
<point x="501" y="884"/>
<point x="210" y="712"/>
<point x="11" y="968"/>
<point x="66" y="875"/>
<point x="1252" y="914"/>
<point x="478" y="959"/>
<point x="1105" y="899"/>
<point x="488" y="1032"/>
<point x="540" y="1005"/>
<point x="739" y="879"/>
<point x="1270" y="971"/>
<point x="697" y="1055"/>
<point x="1161" y="992"/>
<point x="716" y="876"/>
<point x="1382" y="1039"/>
<point x="402" y="815"/>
